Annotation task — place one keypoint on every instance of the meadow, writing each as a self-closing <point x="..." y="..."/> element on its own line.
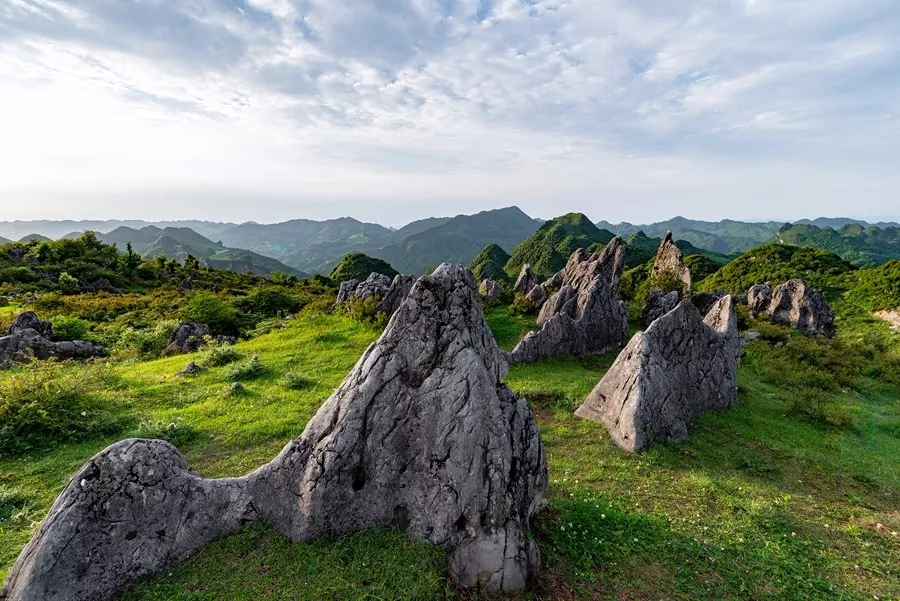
<point x="795" y="494"/>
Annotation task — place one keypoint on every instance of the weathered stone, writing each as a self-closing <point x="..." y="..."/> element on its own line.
<point x="537" y="296"/>
<point x="187" y="338"/>
<point x="396" y="294"/>
<point x="346" y="290"/>
<point x="221" y="339"/>
<point x="681" y="365"/>
<point x="377" y="284"/>
<point x="490" y="290"/>
<point x="236" y="388"/>
<point x="657" y="305"/>
<point x="29" y="338"/>
<point x="759" y="297"/>
<point x="526" y="280"/>
<point x="797" y="304"/>
<point x="670" y="258"/>
<point x="421" y="436"/>
<point x="100" y="285"/>
<point x="585" y="316"/>
<point x="191" y="369"/>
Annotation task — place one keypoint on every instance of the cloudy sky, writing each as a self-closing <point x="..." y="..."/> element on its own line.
<point x="389" y="110"/>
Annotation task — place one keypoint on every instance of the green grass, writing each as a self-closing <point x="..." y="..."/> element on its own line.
<point x="762" y="503"/>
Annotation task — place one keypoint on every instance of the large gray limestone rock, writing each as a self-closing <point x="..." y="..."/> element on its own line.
<point x="390" y="293"/>
<point x="796" y="304"/>
<point x="345" y="292"/>
<point x="187" y="338"/>
<point x="669" y="258"/>
<point x="585" y="316"/>
<point x="658" y="304"/>
<point x="421" y="436"/>
<point x="526" y="280"/>
<point x="537" y="297"/>
<point x="681" y="365"/>
<point x="396" y="294"/>
<point x="490" y="290"/>
<point x="30" y="338"/>
<point x="759" y="297"/>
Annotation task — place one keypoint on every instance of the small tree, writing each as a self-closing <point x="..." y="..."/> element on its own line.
<point x="131" y="260"/>
<point x="67" y="283"/>
<point x="213" y="311"/>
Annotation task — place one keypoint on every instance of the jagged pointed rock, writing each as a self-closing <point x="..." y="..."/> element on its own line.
<point x="670" y="258"/>
<point x="759" y="297"/>
<point x="421" y="436"/>
<point x="490" y="290"/>
<point x="396" y="294"/>
<point x="526" y="280"/>
<point x="585" y="316"/>
<point x="797" y="304"/>
<point x="657" y="305"/>
<point x="345" y="291"/>
<point x="681" y="365"/>
<point x="389" y="292"/>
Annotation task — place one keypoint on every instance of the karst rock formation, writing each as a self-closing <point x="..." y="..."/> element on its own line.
<point x="421" y="436"/>
<point x="681" y="365"/>
<point x="526" y="280"/>
<point x="389" y="292"/>
<point x="585" y="315"/>
<point x="30" y="337"/>
<point x="794" y="303"/>
<point x="490" y="289"/>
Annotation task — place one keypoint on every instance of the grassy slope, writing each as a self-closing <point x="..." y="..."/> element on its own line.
<point x="758" y="505"/>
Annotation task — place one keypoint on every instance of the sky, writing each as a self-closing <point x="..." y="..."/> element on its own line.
<point x="390" y="110"/>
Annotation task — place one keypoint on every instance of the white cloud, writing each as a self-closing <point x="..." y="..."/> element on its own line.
<point x="397" y="108"/>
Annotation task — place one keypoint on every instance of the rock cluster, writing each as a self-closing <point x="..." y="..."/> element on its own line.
<point x="681" y="365"/>
<point x="421" y="436"/>
<point x="490" y="290"/>
<point x="390" y="293"/>
<point x="585" y="315"/>
<point x="30" y="337"/>
<point x="187" y="338"/>
<point x="794" y="303"/>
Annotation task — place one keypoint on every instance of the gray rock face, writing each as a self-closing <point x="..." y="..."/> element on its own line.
<point x="526" y="280"/>
<point x="490" y="290"/>
<point x="670" y="258"/>
<point x="585" y="316"/>
<point x="396" y="294"/>
<point x="191" y="369"/>
<point x="187" y="338"/>
<point x="794" y="303"/>
<point x="658" y="304"/>
<point x="29" y="338"/>
<point x="421" y="436"/>
<point x="132" y="510"/>
<point x="390" y="292"/>
<point x="759" y="298"/>
<point x="537" y="296"/>
<point x="681" y="365"/>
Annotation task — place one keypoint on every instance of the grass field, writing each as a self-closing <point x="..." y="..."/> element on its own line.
<point x="763" y="502"/>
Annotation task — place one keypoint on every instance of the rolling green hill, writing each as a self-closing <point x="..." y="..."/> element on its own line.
<point x="726" y="237"/>
<point x="457" y="240"/>
<point x="548" y="249"/>
<point x="489" y="264"/>
<point x="358" y="266"/>
<point x="855" y="243"/>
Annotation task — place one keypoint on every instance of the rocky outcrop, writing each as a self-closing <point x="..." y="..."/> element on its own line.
<point x="490" y="290"/>
<point x="537" y="297"/>
<point x="187" y="338"/>
<point x="681" y="365"/>
<point x="390" y="293"/>
<point x="794" y="303"/>
<point x="30" y="338"/>
<point x="704" y="301"/>
<point x="526" y="280"/>
<point x="191" y="369"/>
<point x="421" y="436"/>
<point x="585" y="316"/>
<point x="658" y="304"/>
<point x="670" y="259"/>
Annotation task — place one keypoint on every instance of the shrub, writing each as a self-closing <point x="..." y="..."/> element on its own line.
<point x="69" y="328"/>
<point x="521" y="305"/>
<point x="668" y="281"/>
<point x="246" y="369"/>
<point x="295" y="380"/>
<point x="218" y="354"/>
<point x="366" y="309"/>
<point x="148" y="342"/>
<point x="208" y="308"/>
<point x="48" y="403"/>
<point x="270" y="302"/>
<point x="66" y="283"/>
<point x="174" y="431"/>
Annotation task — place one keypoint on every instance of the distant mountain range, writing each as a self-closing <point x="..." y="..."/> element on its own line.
<point x="304" y="246"/>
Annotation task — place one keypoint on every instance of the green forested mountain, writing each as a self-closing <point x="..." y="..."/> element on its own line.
<point x="640" y="248"/>
<point x="418" y="226"/>
<point x="458" y="240"/>
<point x="358" y="266"/>
<point x="548" y="249"/>
<point x="861" y="245"/>
<point x="490" y="264"/>
<point x="34" y="238"/>
<point x="777" y="263"/>
<point x="726" y="236"/>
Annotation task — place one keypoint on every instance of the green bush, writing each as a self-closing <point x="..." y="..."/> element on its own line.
<point x="69" y="328"/>
<point x="48" y="403"/>
<point x="295" y="380"/>
<point x="218" y="354"/>
<point x="147" y="342"/>
<point x="67" y="283"/>
<point x="270" y="302"/>
<point x="208" y="308"/>
<point x="522" y="306"/>
<point x="18" y="275"/>
<point x="246" y="369"/>
<point x="668" y="281"/>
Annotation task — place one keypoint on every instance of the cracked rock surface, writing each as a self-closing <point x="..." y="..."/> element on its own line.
<point x="30" y="338"/>
<point x="585" y="316"/>
<point x="657" y="305"/>
<point x="681" y="365"/>
<point x="490" y="289"/>
<point x="187" y="338"/>
<point x="670" y="258"/>
<point x="526" y="280"/>
<point x="389" y="292"/>
<point x="396" y="294"/>
<point x="421" y="436"/>
<point x="794" y="303"/>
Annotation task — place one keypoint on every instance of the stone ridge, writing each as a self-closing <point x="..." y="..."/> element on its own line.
<point x="421" y="436"/>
